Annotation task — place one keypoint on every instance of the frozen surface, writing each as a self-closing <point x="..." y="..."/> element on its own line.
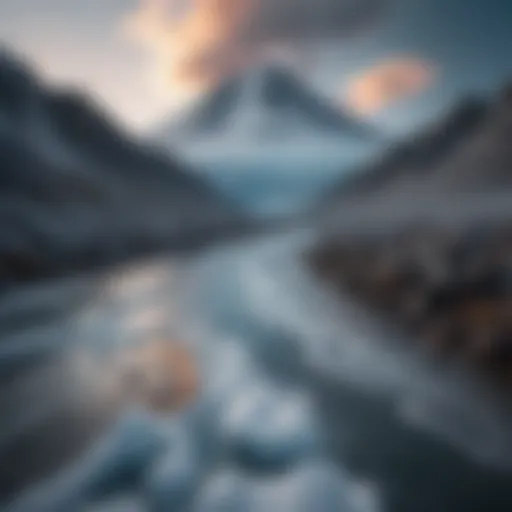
<point x="302" y="407"/>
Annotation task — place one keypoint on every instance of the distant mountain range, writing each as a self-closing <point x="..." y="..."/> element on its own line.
<point x="76" y="191"/>
<point x="266" y="104"/>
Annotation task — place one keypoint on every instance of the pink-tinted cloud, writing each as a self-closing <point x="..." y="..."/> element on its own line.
<point x="388" y="83"/>
<point x="191" y="47"/>
<point x="196" y="43"/>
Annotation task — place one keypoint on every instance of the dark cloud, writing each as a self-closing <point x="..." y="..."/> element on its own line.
<point x="307" y="19"/>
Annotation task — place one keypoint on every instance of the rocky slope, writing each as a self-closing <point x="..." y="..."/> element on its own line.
<point x="466" y="150"/>
<point x="76" y="191"/>
<point x="424" y="238"/>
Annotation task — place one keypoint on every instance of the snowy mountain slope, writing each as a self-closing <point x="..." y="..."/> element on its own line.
<point x="269" y="104"/>
<point x="76" y="191"/>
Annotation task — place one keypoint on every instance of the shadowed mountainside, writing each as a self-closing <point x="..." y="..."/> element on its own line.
<point x="467" y="148"/>
<point x="424" y="237"/>
<point x="78" y="192"/>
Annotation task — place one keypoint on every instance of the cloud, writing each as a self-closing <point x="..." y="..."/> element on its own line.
<point x="387" y="83"/>
<point x="314" y="19"/>
<point x="197" y="42"/>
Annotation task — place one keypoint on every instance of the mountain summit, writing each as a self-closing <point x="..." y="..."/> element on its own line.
<point x="269" y="103"/>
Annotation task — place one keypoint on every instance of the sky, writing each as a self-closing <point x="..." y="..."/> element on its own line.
<point x="396" y="62"/>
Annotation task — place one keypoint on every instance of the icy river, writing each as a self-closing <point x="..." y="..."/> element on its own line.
<point x="300" y="406"/>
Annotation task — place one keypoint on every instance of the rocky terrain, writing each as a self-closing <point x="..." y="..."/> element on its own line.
<point x="439" y="266"/>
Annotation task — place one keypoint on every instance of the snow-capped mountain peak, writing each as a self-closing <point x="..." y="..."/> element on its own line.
<point x="269" y="103"/>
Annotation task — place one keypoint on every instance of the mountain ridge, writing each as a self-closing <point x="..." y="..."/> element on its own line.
<point x="281" y="106"/>
<point x="64" y="160"/>
<point x="418" y="154"/>
<point x="424" y="239"/>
